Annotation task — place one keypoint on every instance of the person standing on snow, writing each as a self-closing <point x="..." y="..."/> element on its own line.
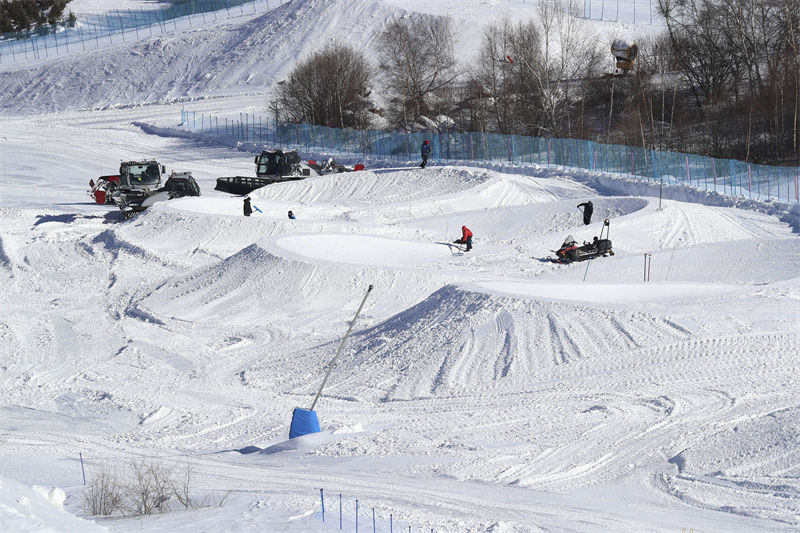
<point x="248" y="210"/>
<point x="588" y="209"/>
<point x="466" y="238"/>
<point x="291" y="215"/>
<point x="426" y="151"/>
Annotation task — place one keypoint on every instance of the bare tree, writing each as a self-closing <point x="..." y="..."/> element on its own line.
<point x="510" y="104"/>
<point x="552" y="58"/>
<point x="103" y="495"/>
<point x="330" y="88"/>
<point x="740" y="58"/>
<point x="149" y="488"/>
<point x="535" y="71"/>
<point x="702" y="51"/>
<point x="418" y="64"/>
<point x="182" y="488"/>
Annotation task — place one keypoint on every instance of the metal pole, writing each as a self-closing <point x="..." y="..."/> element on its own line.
<point x="670" y="259"/>
<point x="82" y="469"/>
<point x="339" y="350"/>
<point x="322" y="500"/>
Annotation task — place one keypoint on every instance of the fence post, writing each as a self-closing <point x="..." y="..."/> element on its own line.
<point x="548" y="152"/>
<point x="340" y="510"/>
<point x="356" y="516"/>
<point x="322" y="501"/>
<point x="758" y="183"/>
<point x="714" y="169"/>
<point x="688" y="174"/>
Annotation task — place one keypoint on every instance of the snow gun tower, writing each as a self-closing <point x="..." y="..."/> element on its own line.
<point x="305" y="421"/>
<point x="624" y="53"/>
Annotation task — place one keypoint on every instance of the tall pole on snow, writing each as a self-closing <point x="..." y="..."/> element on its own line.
<point x="339" y="350"/>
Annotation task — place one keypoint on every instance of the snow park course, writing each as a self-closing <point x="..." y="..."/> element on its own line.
<point x="490" y="390"/>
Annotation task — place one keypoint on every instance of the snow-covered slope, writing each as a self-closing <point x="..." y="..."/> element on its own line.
<point x="483" y="391"/>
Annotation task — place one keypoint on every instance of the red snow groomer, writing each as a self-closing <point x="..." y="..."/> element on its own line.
<point x="133" y="175"/>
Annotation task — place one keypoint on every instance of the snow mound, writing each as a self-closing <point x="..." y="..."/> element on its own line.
<point x="37" y="509"/>
<point x="459" y="340"/>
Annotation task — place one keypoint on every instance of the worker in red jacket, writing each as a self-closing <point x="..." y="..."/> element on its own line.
<point x="466" y="238"/>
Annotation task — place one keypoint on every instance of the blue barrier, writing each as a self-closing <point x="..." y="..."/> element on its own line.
<point x="724" y="176"/>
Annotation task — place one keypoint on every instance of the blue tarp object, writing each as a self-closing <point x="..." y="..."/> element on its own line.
<point x="304" y="422"/>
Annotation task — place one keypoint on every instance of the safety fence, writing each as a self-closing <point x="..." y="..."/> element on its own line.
<point x="351" y="514"/>
<point x="725" y="176"/>
<point x="168" y="483"/>
<point x="120" y="26"/>
<point x="636" y="11"/>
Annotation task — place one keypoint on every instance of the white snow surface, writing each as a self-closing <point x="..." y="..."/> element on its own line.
<point x="483" y="391"/>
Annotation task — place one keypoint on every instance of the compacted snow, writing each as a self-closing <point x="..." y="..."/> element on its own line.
<point x="484" y="391"/>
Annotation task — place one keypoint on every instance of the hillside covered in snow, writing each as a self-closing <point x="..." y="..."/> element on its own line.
<point x="492" y="390"/>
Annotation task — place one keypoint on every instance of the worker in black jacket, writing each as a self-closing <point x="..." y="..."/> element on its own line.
<point x="588" y="209"/>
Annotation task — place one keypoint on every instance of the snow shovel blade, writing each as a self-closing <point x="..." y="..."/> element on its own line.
<point x="304" y="421"/>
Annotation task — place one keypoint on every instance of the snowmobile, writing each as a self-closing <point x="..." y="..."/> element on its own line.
<point x="132" y="201"/>
<point x="271" y="166"/>
<point x="571" y="252"/>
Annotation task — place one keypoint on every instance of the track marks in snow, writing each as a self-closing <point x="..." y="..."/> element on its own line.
<point x="473" y="341"/>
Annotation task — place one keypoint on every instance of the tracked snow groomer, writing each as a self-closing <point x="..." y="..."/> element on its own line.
<point x="570" y="252"/>
<point x="133" y="176"/>
<point x="271" y="166"/>
<point x="138" y="186"/>
<point x="178" y="185"/>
